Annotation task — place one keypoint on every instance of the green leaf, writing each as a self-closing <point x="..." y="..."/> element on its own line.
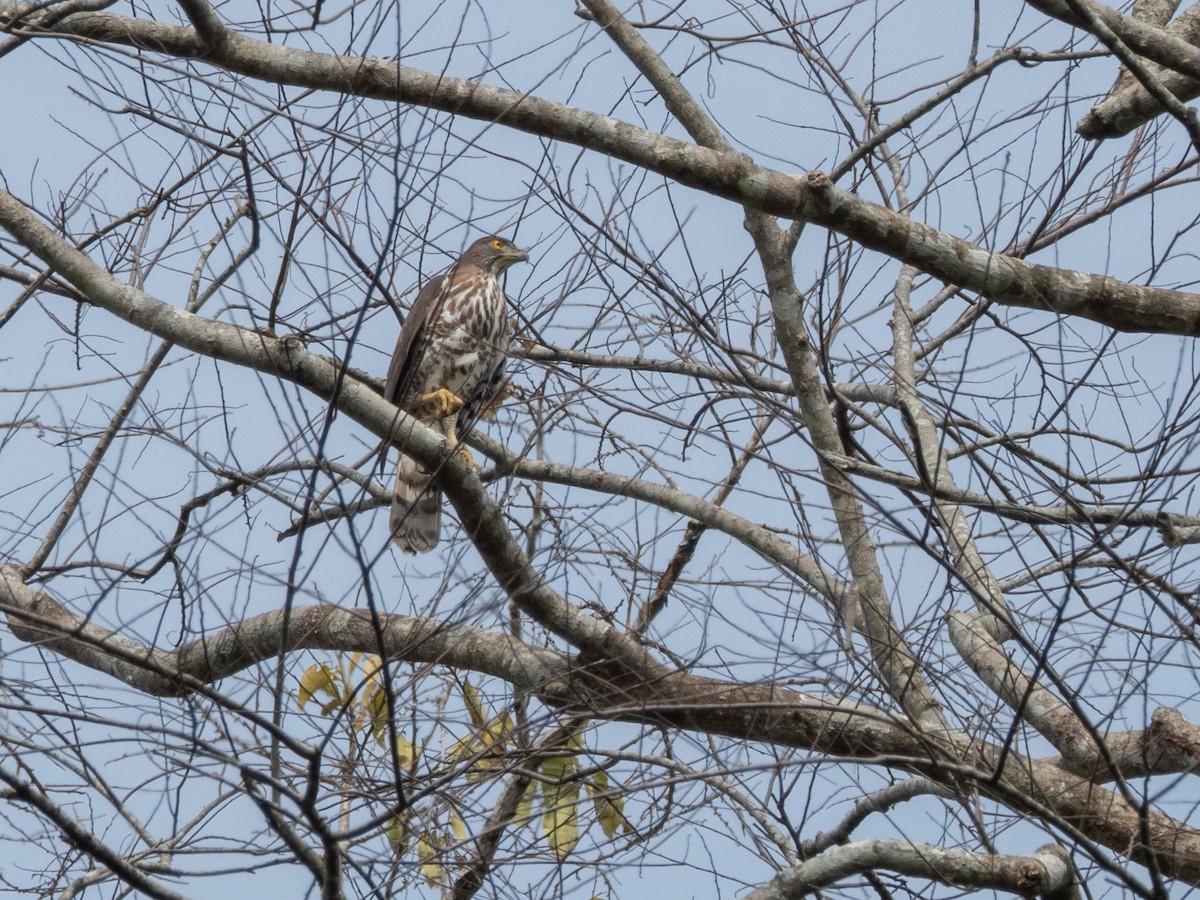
<point x="555" y="769"/>
<point x="398" y="835"/>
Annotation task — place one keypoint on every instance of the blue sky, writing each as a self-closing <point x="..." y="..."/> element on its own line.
<point x="621" y="264"/>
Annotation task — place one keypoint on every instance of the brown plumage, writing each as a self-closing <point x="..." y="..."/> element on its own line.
<point x="448" y="365"/>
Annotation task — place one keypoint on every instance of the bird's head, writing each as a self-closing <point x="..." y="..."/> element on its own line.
<point x="494" y="254"/>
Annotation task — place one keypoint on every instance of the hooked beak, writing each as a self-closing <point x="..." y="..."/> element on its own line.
<point x="510" y="256"/>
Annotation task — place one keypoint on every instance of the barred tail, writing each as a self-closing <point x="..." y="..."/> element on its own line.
<point x="416" y="519"/>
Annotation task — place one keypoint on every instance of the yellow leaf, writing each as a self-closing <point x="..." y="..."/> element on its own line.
<point x="433" y="871"/>
<point x="524" y="811"/>
<point x="406" y="753"/>
<point x="370" y="665"/>
<point x="368" y="695"/>
<point x="457" y="825"/>
<point x="483" y="749"/>
<point x="474" y="704"/>
<point x="560" y="802"/>
<point x="360" y="712"/>
<point x="497" y="732"/>
<point x="376" y="704"/>
<point x="561" y="820"/>
<point x="465" y="748"/>
<point x="319" y="678"/>
<point x="610" y="810"/>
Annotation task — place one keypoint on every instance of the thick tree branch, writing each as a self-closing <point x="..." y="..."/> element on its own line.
<point x="1044" y="872"/>
<point x="1148" y="40"/>
<point x="1147" y="77"/>
<point x="35" y="617"/>
<point x="897" y="663"/>
<point x="759" y="712"/>
<point x="1134" y="106"/>
<point x="482" y="518"/>
<point x="809" y="198"/>
<point x="1170" y="744"/>
<point x="1170" y="52"/>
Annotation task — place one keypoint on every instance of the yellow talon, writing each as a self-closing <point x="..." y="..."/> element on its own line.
<point x="440" y="404"/>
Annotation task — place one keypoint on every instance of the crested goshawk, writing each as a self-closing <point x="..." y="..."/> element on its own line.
<point x="448" y="366"/>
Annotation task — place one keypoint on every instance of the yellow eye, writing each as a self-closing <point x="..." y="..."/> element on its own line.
<point x="497" y="244"/>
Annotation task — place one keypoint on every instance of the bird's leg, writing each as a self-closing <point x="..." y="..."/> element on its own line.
<point x="444" y="405"/>
<point x="452" y="437"/>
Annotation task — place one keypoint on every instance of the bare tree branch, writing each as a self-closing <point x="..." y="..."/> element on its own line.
<point x="1043" y="873"/>
<point x="812" y="198"/>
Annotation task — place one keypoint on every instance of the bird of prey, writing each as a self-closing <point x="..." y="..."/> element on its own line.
<point x="448" y="366"/>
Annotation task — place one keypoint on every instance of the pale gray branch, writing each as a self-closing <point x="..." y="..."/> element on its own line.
<point x="1170" y="745"/>
<point x="810" y="198"/>
<point x="1149" y="40"/>
<point x="1176" y="528"/>
<point x="483" y="519"/>
<point x="1044" y="872"/>
<point x="1147" y="77"/>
